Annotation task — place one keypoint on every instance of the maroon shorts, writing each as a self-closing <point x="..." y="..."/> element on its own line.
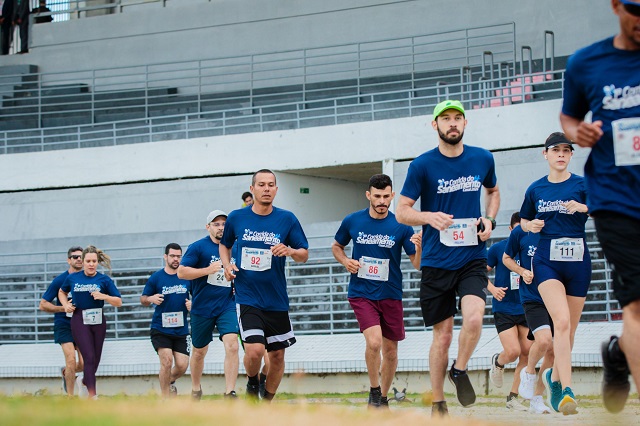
<point x="386" y="313"/>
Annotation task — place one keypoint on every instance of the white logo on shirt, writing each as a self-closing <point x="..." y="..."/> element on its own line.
<point x="552" y="206"/>
<point x="77" y="287"/>
<point x="174" y="289"/>
<point x="384" y="241"/>
<point x="268" y="238"/>
<point x="464" y="184"/>
<point x="620" y="98"/>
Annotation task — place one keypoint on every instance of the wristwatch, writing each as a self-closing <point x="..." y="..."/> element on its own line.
<point x="493" y="222"/>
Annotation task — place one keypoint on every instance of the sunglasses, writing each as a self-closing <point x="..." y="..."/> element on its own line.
<point x="631" y="8"/>
<point x="75" y="256"/>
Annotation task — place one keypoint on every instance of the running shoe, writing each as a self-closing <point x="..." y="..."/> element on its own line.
<point x="263" y="386"/>
<point x="615" y="381"/>
<point x="464" y="390"/>
<point x="83" y="392"/>
<point x="231" y="395"/>
<point x="64" y="379"/>
<point x="375" y="396"/>
<point x="527" y="384"/>
<point x="537" y="406"/>
<point x="497" y="373"/>
<point x="384" y="403"/>
<point x="515" y="405"/>
<point x="253" y="391"/>
<point x="439" y="409"/>
<point x="196" y="395"/>
<point x="554" y="389"/>
<point x="568" y="402"/>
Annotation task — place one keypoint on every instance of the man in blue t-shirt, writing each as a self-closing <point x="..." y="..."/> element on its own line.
<point x="603" y="78"/>
<point x="212" y="305"/>
<point x="375" y="285"/>
<point x="62" y="323"/>
<point x="509" y="319"/>
<point x="448" y="180"/>
<point x="169" y="327"/>
<point x="264" y="236"/>
<point x="522" y="246"/>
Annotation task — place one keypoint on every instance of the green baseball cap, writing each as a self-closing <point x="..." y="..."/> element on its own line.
<point x="445" y="105"/>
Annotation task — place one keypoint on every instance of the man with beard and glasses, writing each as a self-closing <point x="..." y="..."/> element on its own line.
<point x="603" y="78"/>
<point x="375" y="286"/>
<point x="213" y="305"/>
<point x="169" y="327"/>
<point x="448" y="180"/>
<point x="264" y="236"/>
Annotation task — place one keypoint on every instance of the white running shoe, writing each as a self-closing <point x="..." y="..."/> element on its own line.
<point x="497" y="373"/>
<point x="514" y="404"/>
<point x="537" y="406"/>
<point x="82" y="390"/>
<point x="527" y="384"/>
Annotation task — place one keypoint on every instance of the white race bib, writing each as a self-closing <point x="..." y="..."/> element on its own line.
<point x="374" y="269"/>
<point x="567" y="249"/>
<point x="172" y="319"/>
<point x="254" y="259"/>
<point x="515" y="280"/>
<point x="463" y="232"/>
<point x="626" y="141"/>
<point x="92" y="316"/>
<point x="218" y="279"/>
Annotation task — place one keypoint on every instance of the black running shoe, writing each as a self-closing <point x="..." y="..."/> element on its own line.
<point x="464" y="389"/>
<point x="384" y="403"/>
<point x="375" y="397"/>
<point x="615" y="383"/>
<point x="231" y="395"/>
<point x="253" y="391"/>
<point x="263" y="387"/>
<point x="196" y="395"/>
<point x="439" y="409"/>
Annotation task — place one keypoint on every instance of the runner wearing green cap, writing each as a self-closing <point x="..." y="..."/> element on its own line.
<point x="448" y="181"/>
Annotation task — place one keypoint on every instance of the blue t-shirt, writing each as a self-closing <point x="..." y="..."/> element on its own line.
<point x="175" y="292"/>
<point x="544" y="200"/>
<point x="81" y="286"/>
<point x="606" y="81"/>
<point x="522" y="246"/>
<point x="266" y="289"/>
<point x="452" y="186"/>
<point x="380" y="239"/>
<point x="209" y="300"/>
<point x="59" y="318"/>
<point x="510" y="303"/>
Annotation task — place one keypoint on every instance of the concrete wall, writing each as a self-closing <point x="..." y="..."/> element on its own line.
<point x="198" y="29"/>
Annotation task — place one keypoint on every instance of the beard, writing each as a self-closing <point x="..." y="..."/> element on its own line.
<point x="451" y="140"/>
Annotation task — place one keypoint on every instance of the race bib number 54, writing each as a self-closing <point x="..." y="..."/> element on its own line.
<point x="463" y="232"/>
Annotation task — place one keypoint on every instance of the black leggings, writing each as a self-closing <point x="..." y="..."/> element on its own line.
<point x="89" y="340"/>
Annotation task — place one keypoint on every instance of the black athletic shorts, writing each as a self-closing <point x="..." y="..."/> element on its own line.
<point x="271" y="328"/>
<point x="619" y="236"/>
<point x="537" y="317"/>
<point x="439" y="287"/>
<point x="504" y="321"/>
<point x="168" y="341"/>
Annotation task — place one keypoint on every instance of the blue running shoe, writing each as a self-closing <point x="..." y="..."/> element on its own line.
<point x="568" y="402"/>
<point x="554" y="389"/>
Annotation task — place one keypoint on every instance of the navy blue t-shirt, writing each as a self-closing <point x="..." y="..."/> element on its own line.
<point x="262" y="289"/>
<point x="544" y="200"/>
<point x="175" y="292"/>
<point x="452" y="186"/>
<point x="510" y="303"/>
<point x="210" y="299"/>
<point x="382" y="239"/>
<point x="606" y="81"/>
<point x="522" y="246"/>
<point x="59" y="318"/>
<point x="81" y="286"/>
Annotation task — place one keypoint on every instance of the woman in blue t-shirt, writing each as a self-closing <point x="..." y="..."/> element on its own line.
<point x="89" y="289"/>
<point x="555" y="206"/>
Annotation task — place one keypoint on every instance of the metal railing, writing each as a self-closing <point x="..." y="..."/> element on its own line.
<point x="260" y="92"/>
<point x="317" y="293"/>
